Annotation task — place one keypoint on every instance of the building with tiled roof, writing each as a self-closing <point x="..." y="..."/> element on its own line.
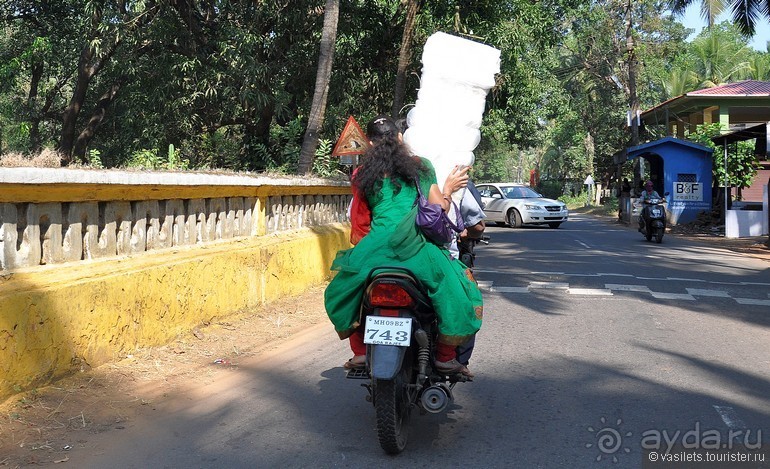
<point x="735" y="105"/>
<point x="743" y="109"/>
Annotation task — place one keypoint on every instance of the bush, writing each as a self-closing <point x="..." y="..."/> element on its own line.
<point x="576" y="201"/>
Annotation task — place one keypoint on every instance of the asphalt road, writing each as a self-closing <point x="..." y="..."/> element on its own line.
<point x="596" y="347"/>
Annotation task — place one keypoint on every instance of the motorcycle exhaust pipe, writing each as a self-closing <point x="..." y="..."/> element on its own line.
<point x="436" y="398"/>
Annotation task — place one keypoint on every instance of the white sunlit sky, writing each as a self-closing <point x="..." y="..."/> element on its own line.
<point x="691" y="19"/>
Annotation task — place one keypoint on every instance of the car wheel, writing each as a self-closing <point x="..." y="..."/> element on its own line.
<point x="514" y="218"/>
<point x="555" y="225"/>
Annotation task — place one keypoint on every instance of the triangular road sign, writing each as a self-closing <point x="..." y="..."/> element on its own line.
<point x="352" y="140"/>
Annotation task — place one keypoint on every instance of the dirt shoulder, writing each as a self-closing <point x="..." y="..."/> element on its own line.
<point x="39" y="427"/>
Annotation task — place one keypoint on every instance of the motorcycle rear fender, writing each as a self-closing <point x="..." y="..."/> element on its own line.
<point x="386" y="360"/>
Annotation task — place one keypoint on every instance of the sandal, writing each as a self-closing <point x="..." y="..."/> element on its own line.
<point x="355" y="363"/>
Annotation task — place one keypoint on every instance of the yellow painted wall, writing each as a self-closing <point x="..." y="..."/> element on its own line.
<point x="54" y="318"/>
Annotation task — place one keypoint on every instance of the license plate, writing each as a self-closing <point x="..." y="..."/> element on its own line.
<point x="382" y="330"/>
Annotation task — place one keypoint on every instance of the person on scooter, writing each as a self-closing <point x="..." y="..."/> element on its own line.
<point x="647" y="194"/>
<point x="386" y="179"/>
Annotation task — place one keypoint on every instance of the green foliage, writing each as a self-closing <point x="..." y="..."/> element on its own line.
<point x="742" y="164"/>
<point x="573" y="201"/>
<point x="95" y="159"/>
<point x="145" y="159"/>
<point x="325" y="165"/>
<point x="151" y="159"/>
<point x="230" y="86"/>
<point x="553" y="189"/>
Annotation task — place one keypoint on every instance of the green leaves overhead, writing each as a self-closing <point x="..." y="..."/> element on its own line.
<point x="229" y="83"/>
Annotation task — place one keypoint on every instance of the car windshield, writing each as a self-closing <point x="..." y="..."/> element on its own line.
<point x="519" y="192"/>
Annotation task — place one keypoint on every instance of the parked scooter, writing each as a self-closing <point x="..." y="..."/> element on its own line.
<point x="652" y="220"/>
<point x="401" y="331"/>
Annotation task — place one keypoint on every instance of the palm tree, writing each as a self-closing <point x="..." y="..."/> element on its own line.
<point x="759" y="68"/>
<point x="709" y="10"/>
<point x="679" y="82"/>
<point x="746" y="13"/>
<point x="719" y="59"/>
<point x="323" y="76"/>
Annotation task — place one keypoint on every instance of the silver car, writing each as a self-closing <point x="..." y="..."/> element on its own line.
<point x="517" y="205"/>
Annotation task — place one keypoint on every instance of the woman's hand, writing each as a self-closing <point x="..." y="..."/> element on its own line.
<point x="456" y="180"/>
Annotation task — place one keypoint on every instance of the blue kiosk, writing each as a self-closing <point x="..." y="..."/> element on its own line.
<point x="681" y="168"/>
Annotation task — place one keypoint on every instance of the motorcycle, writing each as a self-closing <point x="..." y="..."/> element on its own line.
<point x="400" y="333"/>
<point x="652" y="220"/>
<point x="467" y="246"/>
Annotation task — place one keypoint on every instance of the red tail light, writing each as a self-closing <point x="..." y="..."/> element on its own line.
<point x="388" y="295"/>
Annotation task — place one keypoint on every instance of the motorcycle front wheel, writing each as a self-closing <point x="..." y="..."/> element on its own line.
<point x="659" y="235"/>
<point x="392" y="408"/>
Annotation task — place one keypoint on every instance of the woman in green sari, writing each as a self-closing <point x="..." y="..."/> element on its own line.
<point x="386" y="181"/>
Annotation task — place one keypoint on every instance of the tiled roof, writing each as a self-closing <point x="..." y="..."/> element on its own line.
<point x="741" y="88"/>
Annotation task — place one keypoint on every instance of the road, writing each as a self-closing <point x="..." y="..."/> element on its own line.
<point x="596" y="346"/>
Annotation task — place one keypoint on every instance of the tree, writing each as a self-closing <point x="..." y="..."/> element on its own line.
<point x="404" y="56"/>
<point x="741" y="162"/>
<point x="720" y="55"/>
<point x="323" y="76"/>
<point x="710" y="9"/>
<point x="109" y="25"/>
<point x="746" y="13"/>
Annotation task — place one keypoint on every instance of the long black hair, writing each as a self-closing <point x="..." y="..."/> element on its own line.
<point x="387" y="157"/>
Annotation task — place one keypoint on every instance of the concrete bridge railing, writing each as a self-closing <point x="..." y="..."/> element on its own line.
<point x="95" y="264"/>
<point x="53" y="216"/>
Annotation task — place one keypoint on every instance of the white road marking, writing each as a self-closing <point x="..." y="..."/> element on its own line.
<point x="637" y="288"/>
<point x="730" y="418"/>
<point x="692" y="293"/>
<point x="701" y="292"/>
<point x="509" y="289"/>
<point x="752" y="301"/>
<point x="672" y="296"/>
<point x="685" y="279"/>
<point x="589" y="291"/>
<point x="549" y="285"/>
<point x="584" y="244"/>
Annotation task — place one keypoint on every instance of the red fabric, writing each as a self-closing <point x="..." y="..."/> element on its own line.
<point x="357" y="343"/>
<point x="360" y="215"/>
<point x="444" y="352"/>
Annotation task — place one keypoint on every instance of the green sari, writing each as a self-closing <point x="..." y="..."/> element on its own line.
<point x="395" y="239"/>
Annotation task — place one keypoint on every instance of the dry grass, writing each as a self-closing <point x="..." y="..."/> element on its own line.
<point x="47" y="158"/>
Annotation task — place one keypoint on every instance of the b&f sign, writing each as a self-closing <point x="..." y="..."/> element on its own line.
<point x="688" y="191"/>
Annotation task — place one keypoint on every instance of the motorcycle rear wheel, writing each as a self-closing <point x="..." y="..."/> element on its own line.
<point x="393" y="409"/>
